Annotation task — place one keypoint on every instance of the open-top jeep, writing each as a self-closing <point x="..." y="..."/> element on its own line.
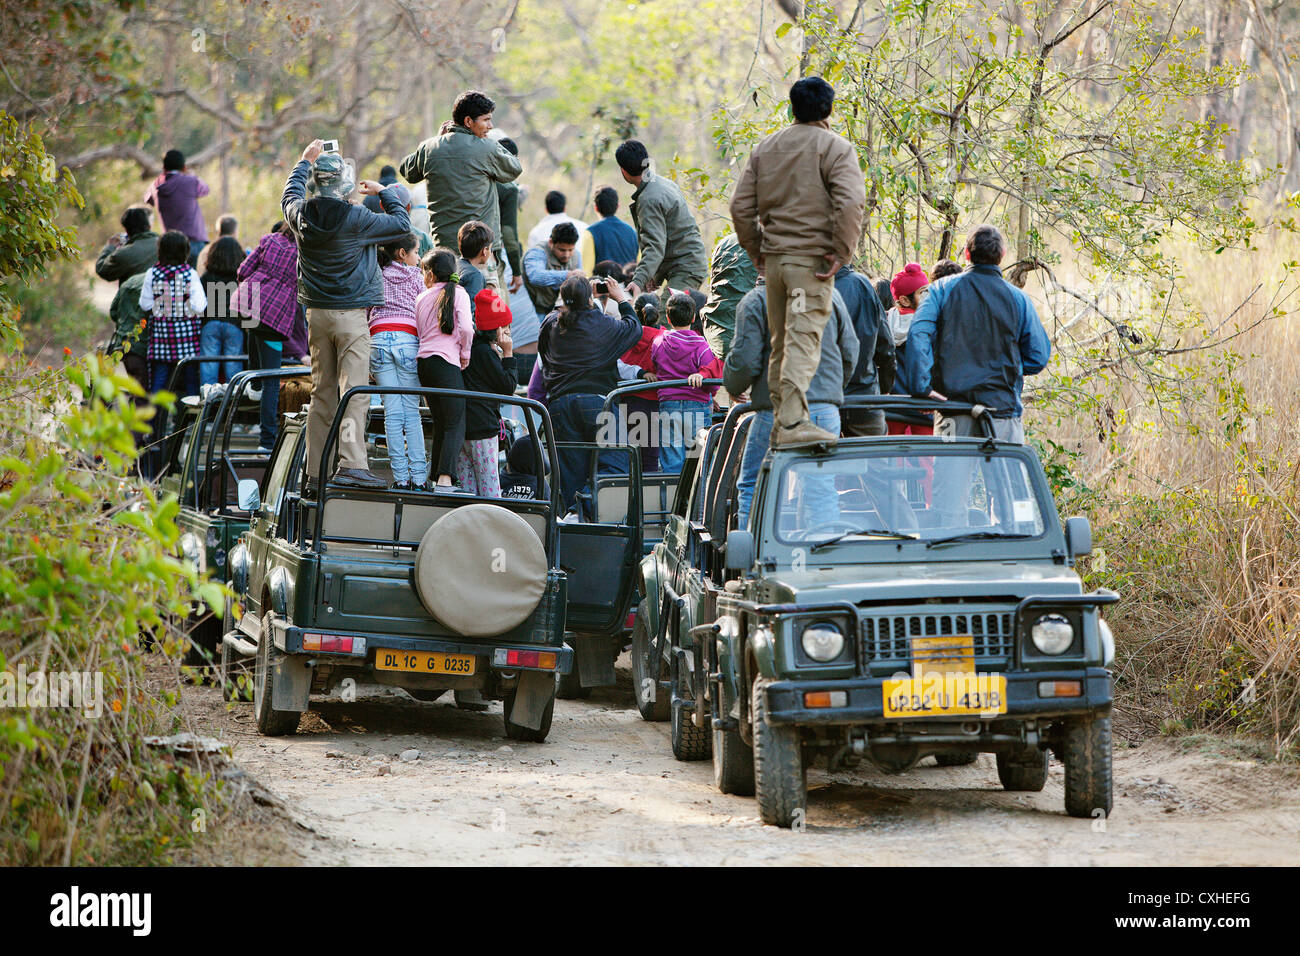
<point x="891" y="598"/>
<point x="425" y="590"/>
<point x="631" y="497"/>
<point x="216" y="446"/>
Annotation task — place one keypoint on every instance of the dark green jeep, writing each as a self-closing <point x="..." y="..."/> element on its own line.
<point x="427" y="591"/>
<point x="214" y="447"/>
<point x="891" y="598"/>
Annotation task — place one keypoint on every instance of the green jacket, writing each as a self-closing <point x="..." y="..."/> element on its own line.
<point x="127" y="316"/>
<point x="731" y="275"/>
<point x="119" y="263"/>
<point x="462" y="171"/>
<point x="508" y="200"/>
<point x="670" y="240"/>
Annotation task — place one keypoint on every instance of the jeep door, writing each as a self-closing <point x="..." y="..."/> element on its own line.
<point x="600" y="557"/>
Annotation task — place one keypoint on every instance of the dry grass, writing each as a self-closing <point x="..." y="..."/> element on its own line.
<point x="1195" y="494"/>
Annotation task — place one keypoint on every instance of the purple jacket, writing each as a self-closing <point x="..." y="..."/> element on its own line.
<point x="680" y="353"/>
<point x="270" y="271"/>
<point x="537" y="384"/>
<point x="177" y="197"/>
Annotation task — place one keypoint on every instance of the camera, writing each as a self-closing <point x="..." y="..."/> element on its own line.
<point x="600" y="286"/>
<point x="330" y="146"/>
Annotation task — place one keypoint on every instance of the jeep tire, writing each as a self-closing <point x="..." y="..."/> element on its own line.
<point x="1024" y="771"/>
<point x="689" y="742"/>
<point x="271" y="722"/>
<point x="651" y="701"/>
<point x="1087" y="758"/>
<point x="527" y="734"/>
<point x="780" y="780"/>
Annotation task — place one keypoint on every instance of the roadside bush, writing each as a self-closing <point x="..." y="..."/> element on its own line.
<point x="87" y="567"/>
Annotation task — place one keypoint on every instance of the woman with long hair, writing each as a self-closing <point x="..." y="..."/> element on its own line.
<point x="446" y="333"/>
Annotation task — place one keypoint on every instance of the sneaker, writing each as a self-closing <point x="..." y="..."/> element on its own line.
<point x="309" y="489"/>
<point x="401" y="486"/>
<point x="805" y="433"/>
<point x="357" y="478"/>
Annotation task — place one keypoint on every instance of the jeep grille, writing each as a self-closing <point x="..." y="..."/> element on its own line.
<point x="886" y="638"/>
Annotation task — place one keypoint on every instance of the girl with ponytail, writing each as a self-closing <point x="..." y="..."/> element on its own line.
<point x="446" y="332"/>
<point x="394" y="347"/>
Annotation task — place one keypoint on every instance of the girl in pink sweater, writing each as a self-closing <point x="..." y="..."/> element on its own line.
<point x="446" y="332"/>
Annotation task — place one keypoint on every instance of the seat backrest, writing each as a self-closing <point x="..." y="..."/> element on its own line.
<point x="379" y="520"/>
<point x="612" y="495"/>
<point x="728" y="471"/>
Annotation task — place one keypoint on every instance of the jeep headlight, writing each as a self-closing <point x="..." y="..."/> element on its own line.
<point x="822" y="641"/>
<point x="192" y="549"/>
<point x="1052" y="634"/>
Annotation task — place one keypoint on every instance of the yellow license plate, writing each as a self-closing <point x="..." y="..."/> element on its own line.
<point x="954" y="694"/>
<point x="424" y="662"/>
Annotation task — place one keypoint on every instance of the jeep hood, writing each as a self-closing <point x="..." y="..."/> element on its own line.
<point x="914" y="583"/>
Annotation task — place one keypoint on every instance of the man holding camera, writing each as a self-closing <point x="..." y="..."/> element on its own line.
<point x="338" y="280"/>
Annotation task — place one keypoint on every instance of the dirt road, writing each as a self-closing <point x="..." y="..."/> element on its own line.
<point x="605" y="789"/>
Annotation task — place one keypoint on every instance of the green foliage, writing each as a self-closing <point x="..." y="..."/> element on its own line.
<point x="32" y="192"/>
<point x="90" y="578"/>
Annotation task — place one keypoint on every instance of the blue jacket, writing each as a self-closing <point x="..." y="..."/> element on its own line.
<point x="973" y="339"/>
<point x="613" y="239"/>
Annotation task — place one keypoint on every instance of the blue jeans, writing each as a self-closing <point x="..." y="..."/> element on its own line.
<point x="266" y="351"/>
<point x="393" y="364"/>
<point x="196" y="246"/>
<point x="219" y="338"/>
<point x="679" y="420"/>
<point x="820" y="503"/>
<point x="575" y="417"/>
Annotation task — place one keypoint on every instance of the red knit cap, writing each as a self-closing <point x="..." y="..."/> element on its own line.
<point x="912" y="277"/>
<point x="491" y="311"/>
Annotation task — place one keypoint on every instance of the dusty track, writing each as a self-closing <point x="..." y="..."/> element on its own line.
<point x="605" y="789"/>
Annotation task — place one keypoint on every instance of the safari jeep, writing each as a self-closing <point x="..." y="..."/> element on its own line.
<point x="426" y="591"/>
<point x="891" y="598"/>
<point x="217" y="446"/>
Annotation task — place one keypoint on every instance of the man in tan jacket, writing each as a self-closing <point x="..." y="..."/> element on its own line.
<point x="798" y="213"/>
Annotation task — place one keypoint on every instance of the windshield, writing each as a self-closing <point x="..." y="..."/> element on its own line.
<point x="875" y="498"/>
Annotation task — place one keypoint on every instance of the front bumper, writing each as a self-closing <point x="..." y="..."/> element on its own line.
<point x="485" y="650"/>
<point x="785" y="699"/>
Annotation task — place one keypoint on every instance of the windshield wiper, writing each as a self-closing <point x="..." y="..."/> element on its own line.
<point x="976" y="536"/>
<point x="879" y="532"/>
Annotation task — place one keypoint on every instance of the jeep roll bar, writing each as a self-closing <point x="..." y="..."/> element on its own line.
<point x="230" y="398"/>
<point x="633" y="388"/>
<point x="910" y="407"/>
<point x="331" y="441"/>
<point x="165" y="422"/>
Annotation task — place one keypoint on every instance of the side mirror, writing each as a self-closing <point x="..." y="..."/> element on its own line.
<point x="1078" y="537"/>
<point x="250" y="496"/>
<point x="739" y="554"/>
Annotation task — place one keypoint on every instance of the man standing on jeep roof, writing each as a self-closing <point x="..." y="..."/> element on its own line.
<point x="974" y="339"/>
<point x="338" y="280"/>
<point x="798" y="211"/>
<point x="462" y="167"/>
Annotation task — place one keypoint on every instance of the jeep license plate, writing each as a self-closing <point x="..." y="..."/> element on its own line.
<point x="424" y="662"/>
<point x="946" y="695"/>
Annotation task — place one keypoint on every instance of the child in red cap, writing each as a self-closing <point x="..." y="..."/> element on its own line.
<point x="908" y="288"/>
<point x="491" y="369"/>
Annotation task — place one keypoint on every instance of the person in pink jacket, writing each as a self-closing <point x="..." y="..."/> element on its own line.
<point x="683" y="410"/>
<point x="446" y="332"/>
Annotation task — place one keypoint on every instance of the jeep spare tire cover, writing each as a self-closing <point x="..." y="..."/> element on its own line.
<point x="480" y="570"/>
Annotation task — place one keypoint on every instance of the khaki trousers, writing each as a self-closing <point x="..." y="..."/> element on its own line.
<point x="798" y="307"/>
<point x="339" y="341"/>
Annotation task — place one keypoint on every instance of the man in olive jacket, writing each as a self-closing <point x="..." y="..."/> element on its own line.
<point x="131" y="252"/>
<point x="798" y="211"/>
<point x="672" y="250"/>
<point x="338" y="281"/>
<point x="462" y="168"/>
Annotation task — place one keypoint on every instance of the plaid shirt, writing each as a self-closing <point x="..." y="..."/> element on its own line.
<point x="402" y="285"/>
<point x="175" y="298"/>
<point x="268" y="283"/>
